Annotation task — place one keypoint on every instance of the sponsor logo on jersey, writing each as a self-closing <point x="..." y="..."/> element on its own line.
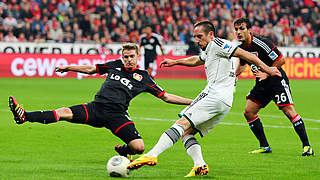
<point x="273" y="55"/>
<point x="137" y="77"/>
<point x="122" y="80"/>
<point x="254" y="68"/>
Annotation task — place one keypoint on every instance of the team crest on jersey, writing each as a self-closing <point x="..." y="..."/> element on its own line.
<point x="137" y="77"/>
<point x="273" y="55"/>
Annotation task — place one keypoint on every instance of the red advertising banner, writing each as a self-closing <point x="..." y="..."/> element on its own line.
<point x="296" y="68"/>
<point x="43" y="65"/>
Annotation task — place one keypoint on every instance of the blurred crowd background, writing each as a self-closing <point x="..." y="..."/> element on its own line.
<point x="289" y="23"/>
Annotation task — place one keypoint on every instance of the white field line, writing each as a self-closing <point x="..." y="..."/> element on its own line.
<point x="224" y="123"/>
<point x="274" y="116"/>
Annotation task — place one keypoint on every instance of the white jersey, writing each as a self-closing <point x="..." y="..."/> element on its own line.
<point x="220" y="69"/>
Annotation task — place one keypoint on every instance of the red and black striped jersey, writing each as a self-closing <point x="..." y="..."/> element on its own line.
<point x="123" y="84"/>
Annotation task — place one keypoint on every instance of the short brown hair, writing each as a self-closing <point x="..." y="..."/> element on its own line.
<point x="207" y="25"/>
<point x="131" y="46"/>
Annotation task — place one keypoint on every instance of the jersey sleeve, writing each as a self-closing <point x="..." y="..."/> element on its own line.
<point x="203" y="56"/>
<point x="269" y="48"/>
<point x="153" y="88"/>
<point x="274" y="53"/>
<point x="158" y="38"/>
<point x="224" y="47"/>
<point x="104" y="68"/>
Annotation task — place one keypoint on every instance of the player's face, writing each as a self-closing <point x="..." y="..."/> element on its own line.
<point x="201" y="38"/>
<point x="130" y="58"/>
<point x="243" y="34"/>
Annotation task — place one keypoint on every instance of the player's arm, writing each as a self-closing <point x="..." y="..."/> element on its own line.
<point x="87" y="69"/>
<point x="174" y="99"/>
<point x="240" y="68"/>
<point x="262" y="76"/>
<point x="189" y="61"/>
<point x="245" y="55"/>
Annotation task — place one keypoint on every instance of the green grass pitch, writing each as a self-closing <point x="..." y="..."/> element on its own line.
<point x="72" y="151"/>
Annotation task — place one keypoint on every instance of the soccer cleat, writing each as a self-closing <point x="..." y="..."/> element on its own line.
<point x="262" y="150"/>
<point x="17" y="111"/>
<point x="119" y="149"/>
<point x="141" y="161"/>
<point x="307" y="151"/>
<point x="199" y="171"/>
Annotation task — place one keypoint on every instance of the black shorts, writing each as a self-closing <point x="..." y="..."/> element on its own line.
<point x="149" y="61"/>
<point x="108" y="116"/>
<point x="273" y="88"/>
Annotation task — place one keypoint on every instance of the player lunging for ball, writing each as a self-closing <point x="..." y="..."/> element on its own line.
<point x="211" y="105"/>
<point x="109" y="108"/>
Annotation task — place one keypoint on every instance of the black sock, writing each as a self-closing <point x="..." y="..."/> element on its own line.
<point x="301" y="131"/>
<point x="125" y="149"/>
<point x="257" y="129"/>
<point x="44" y="117"/>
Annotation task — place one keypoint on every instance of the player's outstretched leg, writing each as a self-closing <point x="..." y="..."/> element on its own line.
<point x="167" y="140"/>
<point x="198" y="171"/>
<point x="21" y="116"/>
<point x="17" y="111"/>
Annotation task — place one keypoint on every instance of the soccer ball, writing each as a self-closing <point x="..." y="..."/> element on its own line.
<point x="117" y="166"/>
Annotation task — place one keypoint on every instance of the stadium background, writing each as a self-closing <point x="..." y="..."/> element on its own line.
<point x="37" y="35"/>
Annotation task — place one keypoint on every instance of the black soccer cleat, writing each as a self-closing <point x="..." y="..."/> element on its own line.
<point x="307" y="151"/>
<point x="17" y="111"/>
<point x="122" y="152"/>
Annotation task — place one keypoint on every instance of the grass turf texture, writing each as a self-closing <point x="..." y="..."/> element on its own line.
<point x="71" y="151"/>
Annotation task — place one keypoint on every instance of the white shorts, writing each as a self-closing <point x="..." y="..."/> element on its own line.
<point x="205" y="112"/>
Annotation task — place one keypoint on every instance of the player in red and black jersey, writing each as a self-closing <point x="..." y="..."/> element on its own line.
<point x="149" y="41"/>
<point x="109" y="108"/>
<point x="267" y="88"/>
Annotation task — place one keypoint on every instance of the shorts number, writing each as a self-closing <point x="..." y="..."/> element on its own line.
<point x="280" y="98"/>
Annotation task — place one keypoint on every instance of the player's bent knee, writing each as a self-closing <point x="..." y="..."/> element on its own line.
<point x="137" y="146"/>
<point x="138" y="149"/>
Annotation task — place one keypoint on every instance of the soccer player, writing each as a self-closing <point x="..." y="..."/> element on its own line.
<point x="267" y="88"/>
<point x="109" y="107"/>
<point x="149" y="41"/>
<point x="211" y="105"/>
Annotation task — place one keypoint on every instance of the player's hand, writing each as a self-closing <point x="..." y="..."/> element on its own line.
<point x="61" y="69"/>
<point x="261" y="75"/>
<point x="274" y="71"/>
<point x="167" y="63"/>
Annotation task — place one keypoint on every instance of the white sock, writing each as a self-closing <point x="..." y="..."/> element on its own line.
<point x="166" y="140"/>
<point x="194" y="150"/>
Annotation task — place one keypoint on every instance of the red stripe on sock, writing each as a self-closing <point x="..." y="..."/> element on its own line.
<point x="253" y="119"/>
<point x="55" y="115"/>
<point x="85" y="109"/>
<point x="130" y="122"/>
<point x="295" y="118"/>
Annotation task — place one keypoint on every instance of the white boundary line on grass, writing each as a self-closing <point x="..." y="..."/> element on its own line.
<point x="274" y="116"/>
<point x="225" y="123"/>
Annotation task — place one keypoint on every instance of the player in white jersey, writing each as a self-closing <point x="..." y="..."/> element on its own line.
<point x="211" y="105"/>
